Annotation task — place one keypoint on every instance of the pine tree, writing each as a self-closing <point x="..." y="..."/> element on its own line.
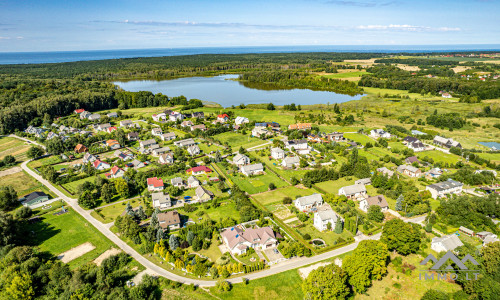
<point x="140" y="214"/>
<point x="190" y="238"/>
<point x="129" y="210"/>
<point x="338" y="227"/>
<point x="159" y="235"/>
<point x="399" y="203"/>
<point x="173" y="242"/>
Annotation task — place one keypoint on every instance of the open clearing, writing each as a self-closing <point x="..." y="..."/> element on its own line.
<point x="106" y="254"/>
<point x="14" y="147"/>
<point x="76" y="252"/>
<point x="10" y="171"/>
<point x="22" y="183"/>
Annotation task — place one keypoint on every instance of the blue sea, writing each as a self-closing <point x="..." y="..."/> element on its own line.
<point x="69" y="56"/>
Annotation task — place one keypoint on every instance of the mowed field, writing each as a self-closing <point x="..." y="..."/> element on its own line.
<point x="236" y="140"/>
<point x="22" y="183"/>
<point x="278" y="195"/>
<point x="14" y="147"/>
<point x="59" y="233"/>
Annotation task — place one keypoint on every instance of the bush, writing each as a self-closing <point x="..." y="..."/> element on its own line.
<point x="23" y="213"/>
<point x="223" y="286"/>
<point x="287" y="200"/>
<point x="306" y="236"/>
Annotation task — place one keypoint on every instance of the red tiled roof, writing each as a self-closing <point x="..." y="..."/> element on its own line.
<point x="112" y="142"/>
<point x="199" y="169"/>
<point x="155" y="182"/>
<point x="112" y="128"/>
<point x="115" y="170"/>
<point x="79" y="111"/>
<point x="223" y="116"/>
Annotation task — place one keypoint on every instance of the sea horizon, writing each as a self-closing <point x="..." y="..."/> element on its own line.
<point x="39" y="57"/>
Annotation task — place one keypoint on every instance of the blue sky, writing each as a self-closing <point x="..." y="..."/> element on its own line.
<point x="53" y="25"/>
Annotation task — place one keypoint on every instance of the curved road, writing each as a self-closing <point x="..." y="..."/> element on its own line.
<point x="152" y="268"/>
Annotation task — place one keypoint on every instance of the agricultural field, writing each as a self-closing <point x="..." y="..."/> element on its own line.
<point x="22" y="183"/>
<point x="59" y="233"/>
<point x="14" y="147"/>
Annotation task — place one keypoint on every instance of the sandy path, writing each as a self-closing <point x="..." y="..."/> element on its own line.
<point x="106" y="254"/>
<point x="75" y="252"/>
<point x="10" y="171"/>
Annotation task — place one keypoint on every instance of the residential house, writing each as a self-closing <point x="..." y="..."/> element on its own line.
<point x="409" y="170"/>
<point x="160" y="200"/>
<point x="379" y="200"/>
<point x="156" y="131"/>
<point x="132" y="136"/>
<point x="238" y="240"/>
<point x="147" y="143"/>
<point x="380" y="133"/>
<point x="201" y="127"/>
<point x="385" y="172"/>
<point x="223" y="118"/>
<point x="159" y="117"/>
<point x="296" y="144"/>
<point x="85" y="115"/>
<point x="316" y="138"/>
<point x="308" y="203"/>
<point x="487" y="237"/>
<point x="259" y="131"/>
<point x="112" y="115"/>
<point x="300" y="126"/>
<point x="100" y="165"/>
<point x="177" y="182"/>
<point x="198" y="115"/>
<point x="87" y="157"/>
<point x="446" y="95"/>
<point x="254" y="169"/>
<point x="203" y="195"/>
<point x="410" y="139"/>
<point x="103" y="127"/>
<point x="166" y="158"/>
<point x="136" y="164"/>
<point x="192" y="182"/>
<point x="113" y="144"/>
<point x="277" y="153"/>
<point x="93" y="117"/>
<point x="155" y="184"/>
<point x="168" y="136"/>
<point x="444" y="188"/>
<point x="241" y="120"/>
<point x="417" y="146"/>
<point x="241" y="159"/>
<point x="356" y="191"/>
<point x="433" y="173"/>
<point x="81" y="148"/>
<point x="290" y="162"/>
<point x="185" y="143"/>
<point x="123" y="156"/>
<point x="186" y="123"/>
<point x="115" y="172"/>
<point x="199" y="170"/>
<point x="324" y="216"/>
<point x="160" y="151"/>
<point x="412" y="159"/>
<point x="126" y="123"/>
<point x="111" y="129"/>
<point x="174" y="116"/>
<point x="194" y="150"/>
<point x="364" y="181"/>
<point x="79" y="111"/>
<point x="335" y="136"/>
<point x="51" y="135"/>
<point x="34" y="198"/>
<point x="444" y="142"/>
<point x="170" y="220"/>
<point x="446" y="243"/>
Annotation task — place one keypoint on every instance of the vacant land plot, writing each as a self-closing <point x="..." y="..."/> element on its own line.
<point x="106" y="254"/>
<point x="439" y="156"/>
<point x="257" y="184"/>
<point x="236" y="140"/>
<point x="59" y="233"/>
<point x="359" y="138"/>
<point x="44" y="161"/>
<point x="75" y="252"/>
<point x="14" y="147"/>
<point x="278" y="195"/>
<point x="333" y="186"/>
<point x="109" y="213"/>
<point x="22" y="183"/>
<point x="285" y="285"/>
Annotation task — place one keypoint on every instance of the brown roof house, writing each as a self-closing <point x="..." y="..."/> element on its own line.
<point x="80" y="148"/>
<point x="169" y="220"/>
<point x="203" y="195"/>
<point x="239" y="240"/>
<point x="375" y="200"/>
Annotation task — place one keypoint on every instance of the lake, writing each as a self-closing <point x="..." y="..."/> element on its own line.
<point x="492" y="145"/>
<point x="227" y="92"/>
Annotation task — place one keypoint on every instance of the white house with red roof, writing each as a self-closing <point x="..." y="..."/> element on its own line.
<point x="155" y="184"/>
<point x="199" y="170"/>
<point x="79" y="111"/>
<point x="223" y="118"/>
<point x="115" y="172"/>
<point x="238" y="240"/>
<point x="100" y="165"/>
<point x="111" y="129"/>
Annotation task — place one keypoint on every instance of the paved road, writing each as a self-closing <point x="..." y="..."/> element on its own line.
<point x="154" y="269"/>
<point x="26" y="140"/>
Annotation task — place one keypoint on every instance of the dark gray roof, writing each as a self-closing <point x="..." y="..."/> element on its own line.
<point x="445" y="185"/>
<point x="34" y="195"/>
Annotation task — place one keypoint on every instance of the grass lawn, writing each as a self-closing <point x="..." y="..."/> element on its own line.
<point x="276" y="167"/>
<point x="111" y="212"/>
<point x="22" y="183"/>
<point x="493" y="157"/>
<point x="346" y="74"/>
<point x="44" y="161"/>
<point x="73" y="186"/>
<point x="57" y="234"/>
<point x="439" y="156"/>
<point x="285" y="285"/>
<point x="397" y="145"/>
<point x="213" y="252"/>
<point x="328" y="236"/>
<point x="333" y="186"/>
<point x="359" y="138"/>
<point x="237" y="140"/>
<point x="14" y="147"/>
<point x="257" y="184"/>
<point x="206" y="148"/>
<point x="278" y="195"/>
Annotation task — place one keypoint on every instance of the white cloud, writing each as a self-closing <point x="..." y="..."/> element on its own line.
<point x="406" y="27"/>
